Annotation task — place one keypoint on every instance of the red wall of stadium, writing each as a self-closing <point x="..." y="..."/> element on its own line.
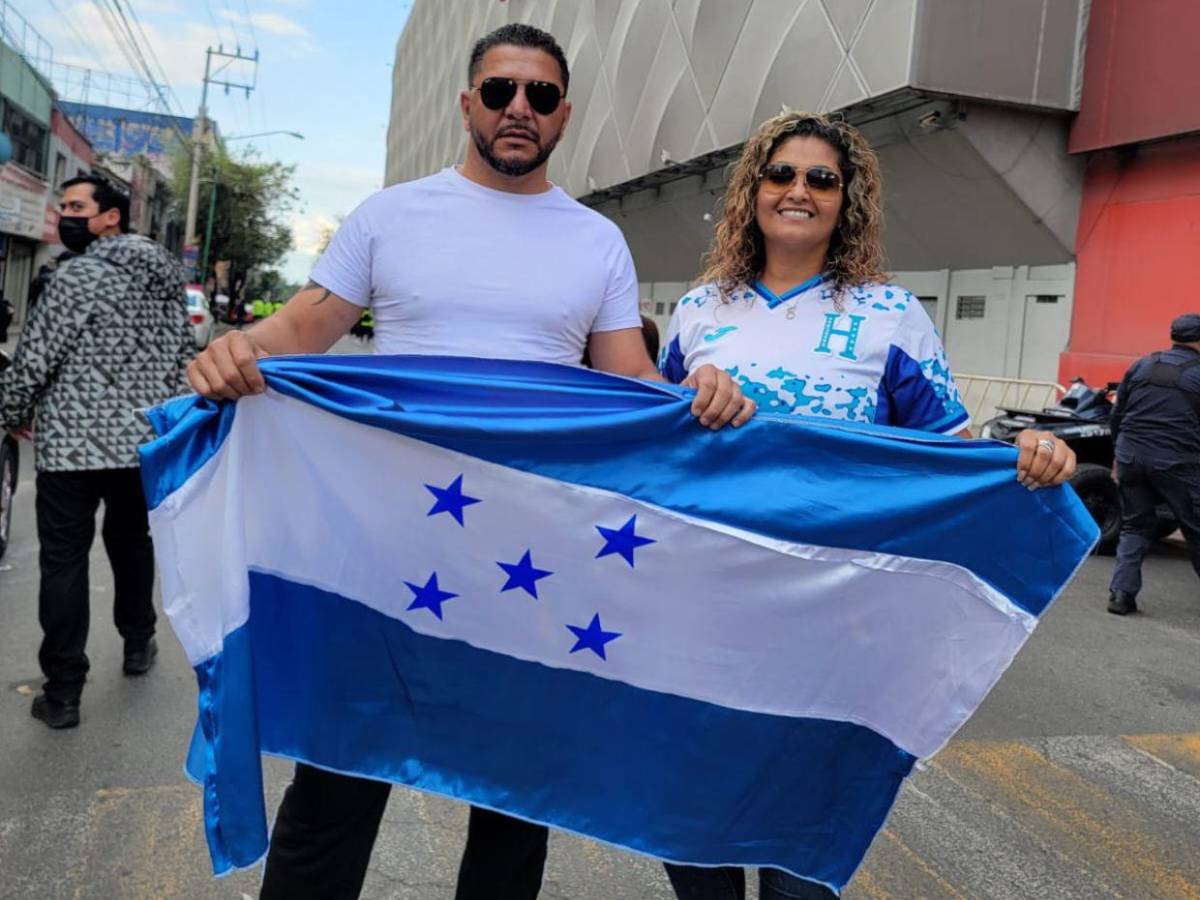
<point x="1138" y="242"/>
<point x="1140" y="77"/>
<point x="1137" y="256"/>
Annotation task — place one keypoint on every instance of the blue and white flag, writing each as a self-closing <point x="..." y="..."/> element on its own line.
<point x="550" y="592"/>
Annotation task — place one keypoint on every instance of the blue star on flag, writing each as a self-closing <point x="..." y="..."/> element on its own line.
<point x="622" y="540"/>
<point x="523" y="574"/>
<point x="429" y="596"/>
<point x="451" y="499"/>
<point x="593" y="637"/>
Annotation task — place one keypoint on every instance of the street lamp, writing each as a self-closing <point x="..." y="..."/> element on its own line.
<point x="212" y="196"/>
<point x="241" y="137"/>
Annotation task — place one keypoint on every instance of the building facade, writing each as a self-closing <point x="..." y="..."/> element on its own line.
<point x="25" y="120"/>
<point x="1138" y="130"/>
<point x="968" y="102"/>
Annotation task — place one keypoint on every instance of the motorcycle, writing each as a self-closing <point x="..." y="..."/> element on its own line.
<point x="1081" y="418"/>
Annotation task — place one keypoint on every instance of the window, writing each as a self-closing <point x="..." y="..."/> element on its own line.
<point x="673" y="305"/>
<point x="660" y="309"/>
<point x="1047" y="298"/>
<point x="60" y="170"/>
<point x="28" y="139"/>
<point x="971" y="307"/>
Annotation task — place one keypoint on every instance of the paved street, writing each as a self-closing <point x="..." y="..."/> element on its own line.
<point x="1079" y="778"/>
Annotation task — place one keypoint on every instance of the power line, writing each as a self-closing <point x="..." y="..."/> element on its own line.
<point x="120" y="29"/>
<point x="80" y="39"/>
<point x="150" y="47"/>
<point x="250" y="23"/>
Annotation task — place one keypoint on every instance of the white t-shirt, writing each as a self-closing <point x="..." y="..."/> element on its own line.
<point x="453" y="268"/>
<point x="876" y="360"/>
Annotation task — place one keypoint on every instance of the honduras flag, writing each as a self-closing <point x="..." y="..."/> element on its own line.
<point x="550" y="592"/>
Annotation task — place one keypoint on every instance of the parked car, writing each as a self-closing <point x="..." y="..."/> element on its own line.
<point x="200" y="315"/>
<point x="10" y="458"/>
<point x="1081" y="418"/>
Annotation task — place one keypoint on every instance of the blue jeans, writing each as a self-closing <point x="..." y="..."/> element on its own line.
<point x="729" y="883"/>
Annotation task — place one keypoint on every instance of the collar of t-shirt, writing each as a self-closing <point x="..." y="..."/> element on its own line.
<point x="462" y="182"/>
<point x="773" y="299"/>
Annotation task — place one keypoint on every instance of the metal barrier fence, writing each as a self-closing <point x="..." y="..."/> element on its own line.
<point x="981" y="394"/>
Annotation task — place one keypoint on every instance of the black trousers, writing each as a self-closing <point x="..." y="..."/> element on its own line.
<point x="66" y="523"/>
<point x="729" y="883"/>
<point x="1142" y="485"/>
<point x="326" y="828"/>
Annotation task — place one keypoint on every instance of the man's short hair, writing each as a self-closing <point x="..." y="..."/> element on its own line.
<point x="516" y="34"/>
<point x="106" y="194"/>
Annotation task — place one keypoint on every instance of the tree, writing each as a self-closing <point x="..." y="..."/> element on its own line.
<point x="327" y="233"/>
<point x="271" y="285"/>
<point x="252" y="197"/>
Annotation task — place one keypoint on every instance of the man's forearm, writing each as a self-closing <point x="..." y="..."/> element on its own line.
<point x="311" y="322"/>
<point x="277" y="336"/>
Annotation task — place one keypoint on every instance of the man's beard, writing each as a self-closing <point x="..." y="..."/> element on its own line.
<point x="514" y="168"/>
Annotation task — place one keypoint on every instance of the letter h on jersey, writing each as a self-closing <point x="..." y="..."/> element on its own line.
<point x="849" y="334"/>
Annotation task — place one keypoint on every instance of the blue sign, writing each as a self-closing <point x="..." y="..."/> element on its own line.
<point x="126" y="132"/>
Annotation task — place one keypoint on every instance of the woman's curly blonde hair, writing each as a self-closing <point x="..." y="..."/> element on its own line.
<point x="856" y="251"/>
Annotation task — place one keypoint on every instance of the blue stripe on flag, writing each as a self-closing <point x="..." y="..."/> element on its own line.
<point x="863" y="487"/>
<point x="346" y="688"/>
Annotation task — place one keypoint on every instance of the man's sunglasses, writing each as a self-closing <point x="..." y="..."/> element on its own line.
<point x="818" y="179"/>
<point x="497" y="93"/>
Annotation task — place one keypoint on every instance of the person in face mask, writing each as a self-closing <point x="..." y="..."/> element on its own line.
<point x="109" y="335"/>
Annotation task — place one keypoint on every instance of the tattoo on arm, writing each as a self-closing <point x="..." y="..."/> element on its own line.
<point x="325" y="292"/>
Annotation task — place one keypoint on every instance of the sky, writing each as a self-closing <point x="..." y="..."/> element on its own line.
<point x="325" y="71"/>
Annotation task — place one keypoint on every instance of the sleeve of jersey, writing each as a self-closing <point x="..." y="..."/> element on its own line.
<point x="917" y="388"/>
<point x="345" y="266"/>
<point x="619" y="308"/>
<point x="672" y="354"/>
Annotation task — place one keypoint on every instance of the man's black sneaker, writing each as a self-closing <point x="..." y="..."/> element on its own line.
<point x="54" y="713"/>
<point x="1121" y="603"/>
<point x="140" y="657"/>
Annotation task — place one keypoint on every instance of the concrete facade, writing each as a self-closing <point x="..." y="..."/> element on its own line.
<point x="968" y="103"/>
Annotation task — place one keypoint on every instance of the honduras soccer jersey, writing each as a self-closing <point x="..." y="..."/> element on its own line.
<point x="873" y="357"/>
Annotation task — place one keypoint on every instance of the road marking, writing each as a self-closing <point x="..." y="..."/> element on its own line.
<point x="924" y="866"/>
<point x="1110" y="836"/>
<point x="1179" y="751"/>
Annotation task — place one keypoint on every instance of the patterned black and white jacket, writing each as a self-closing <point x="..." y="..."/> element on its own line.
<point x="109" y="336"/>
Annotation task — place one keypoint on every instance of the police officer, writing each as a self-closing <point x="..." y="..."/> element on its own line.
<point x="1156" y="430"/>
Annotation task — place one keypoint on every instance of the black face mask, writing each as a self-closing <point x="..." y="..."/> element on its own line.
<point x="74" y="234"/>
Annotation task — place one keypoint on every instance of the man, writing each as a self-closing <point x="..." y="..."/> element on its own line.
<point x="109" y="335"/>
<point x="6" y="317"/>
<point x="1156" y="431"/>
<point x="488" y="259"/>
<point x="40" y="280"/>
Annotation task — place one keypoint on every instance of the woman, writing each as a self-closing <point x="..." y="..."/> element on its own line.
<point x="796" y="306"/>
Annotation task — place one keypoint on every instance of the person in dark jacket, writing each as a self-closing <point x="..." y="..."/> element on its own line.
<point x="1156" y="433"/>
<point x="6" y="317"/>
<point x="38" y="285"/>
<point x="110" y="335"/>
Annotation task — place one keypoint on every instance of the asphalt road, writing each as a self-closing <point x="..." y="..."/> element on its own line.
<point x="1078" y="778"/>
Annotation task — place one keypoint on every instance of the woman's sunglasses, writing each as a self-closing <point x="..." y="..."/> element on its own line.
<point x="818" y="179"/>
<point x="497" y="93"/>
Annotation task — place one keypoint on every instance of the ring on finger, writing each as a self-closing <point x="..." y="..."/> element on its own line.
<point x="1045" y="444"/>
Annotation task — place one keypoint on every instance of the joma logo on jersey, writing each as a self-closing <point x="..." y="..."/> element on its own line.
<point x="848" y="336"/>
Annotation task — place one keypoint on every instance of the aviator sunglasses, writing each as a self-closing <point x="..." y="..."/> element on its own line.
<point x="818" y="179"/>
<point x="497" y="93"/>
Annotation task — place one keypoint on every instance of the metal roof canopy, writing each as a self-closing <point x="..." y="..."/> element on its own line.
<point x="967" y="185"/>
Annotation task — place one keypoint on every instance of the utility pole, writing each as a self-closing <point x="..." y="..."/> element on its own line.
<point x="200" y="126"/>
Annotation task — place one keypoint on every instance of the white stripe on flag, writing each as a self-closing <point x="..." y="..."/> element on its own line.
<point x="904" y="646"/>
